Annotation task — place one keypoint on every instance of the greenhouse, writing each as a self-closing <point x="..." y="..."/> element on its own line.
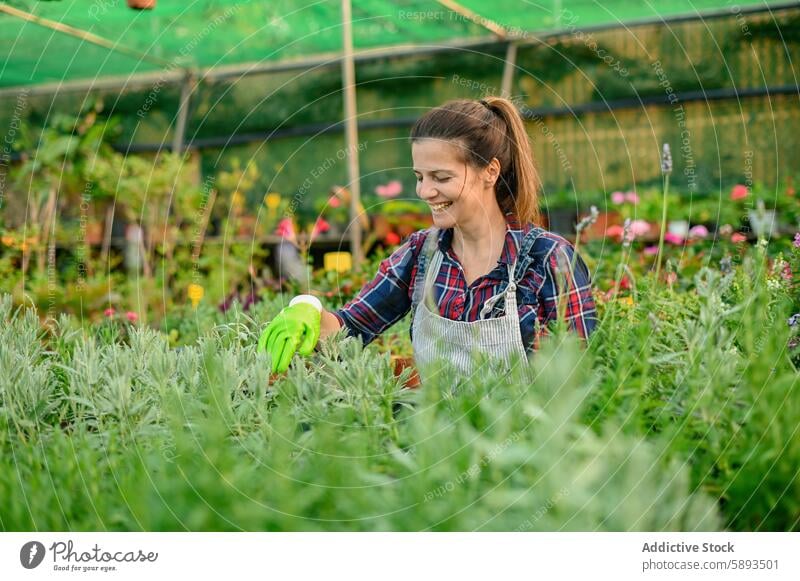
<point x="218" y="266"/>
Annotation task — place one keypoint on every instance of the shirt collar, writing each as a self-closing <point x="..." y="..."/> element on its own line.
<point x="514" y="234"/>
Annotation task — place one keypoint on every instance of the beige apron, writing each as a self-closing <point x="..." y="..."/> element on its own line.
<point x="459" y="343"/>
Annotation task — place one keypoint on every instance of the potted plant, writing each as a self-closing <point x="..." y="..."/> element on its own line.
<point x="400" y="363"/>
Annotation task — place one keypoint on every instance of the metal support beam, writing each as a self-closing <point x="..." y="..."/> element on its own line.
<point x="475" y="18"/>
<point x="83" y="35"/>
<point x="351" y="131"/>
<point x="508" y="70"/>
<point x="179" y="137"/>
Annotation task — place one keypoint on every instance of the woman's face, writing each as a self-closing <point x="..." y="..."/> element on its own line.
<point x="456" y="192"/>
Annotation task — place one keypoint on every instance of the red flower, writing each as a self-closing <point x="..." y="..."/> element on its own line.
<point x="132" y="317"/>
<point x="739" y="192"/>
<point x="736" y="237"/>
<point x="320" y="227"/>
<point x="392" y="238"/>
<point x="109" y="312"/>
<point x="625" y="283"/>
<point x="614" y="231"/>
<point x="285" y="228"/>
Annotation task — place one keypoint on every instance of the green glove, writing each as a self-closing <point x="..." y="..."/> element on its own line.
<point x="296" y="328"/>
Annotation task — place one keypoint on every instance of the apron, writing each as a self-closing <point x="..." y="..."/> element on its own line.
<point x="437" y="339"/>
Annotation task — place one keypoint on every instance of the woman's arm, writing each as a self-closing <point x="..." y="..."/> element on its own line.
<point x="385" y="299"/>
<point x="329" y="324"/>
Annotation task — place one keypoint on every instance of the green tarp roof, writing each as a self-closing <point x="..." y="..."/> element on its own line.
<point x="219" y="34"/>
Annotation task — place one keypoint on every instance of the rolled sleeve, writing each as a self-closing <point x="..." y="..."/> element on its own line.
<point x="386" y="298"/>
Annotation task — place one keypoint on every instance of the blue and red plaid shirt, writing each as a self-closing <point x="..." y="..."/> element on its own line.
<point x="387" y="298"/>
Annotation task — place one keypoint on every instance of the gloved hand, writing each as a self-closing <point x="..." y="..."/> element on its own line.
<point x="296" y="328"/>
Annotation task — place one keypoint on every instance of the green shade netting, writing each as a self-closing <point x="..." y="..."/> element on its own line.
<point x="216" y="33"/>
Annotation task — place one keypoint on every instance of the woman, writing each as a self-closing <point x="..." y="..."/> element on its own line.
<point x="484" y="278"/>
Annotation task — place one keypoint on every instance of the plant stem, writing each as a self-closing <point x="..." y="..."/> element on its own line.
<point x="663" y="227"/>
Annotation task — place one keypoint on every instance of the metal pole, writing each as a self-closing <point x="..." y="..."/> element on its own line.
<point x="84" y="35"/>
<point x="351" y="131"/>
<point x="178" y="139"/>
<point x="508" y="70"/>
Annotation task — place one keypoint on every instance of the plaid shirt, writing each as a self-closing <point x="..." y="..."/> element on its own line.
<point x="387" y="298"/>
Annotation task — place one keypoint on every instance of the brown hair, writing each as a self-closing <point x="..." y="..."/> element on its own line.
<point x="491" y="127"/>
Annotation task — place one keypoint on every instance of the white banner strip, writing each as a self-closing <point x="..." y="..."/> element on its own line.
<point x="401" y="556"/>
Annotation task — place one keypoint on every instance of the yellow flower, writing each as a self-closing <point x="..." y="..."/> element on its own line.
<point x="338" y="262"/>
<point x="626" y="300"/>
<point x="272" y="200"/>
<point x="237" y="199"/>
<point x="195" y="292"/>
<point x="8" y="241"/>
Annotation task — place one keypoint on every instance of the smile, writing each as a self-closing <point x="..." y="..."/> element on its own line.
<point x="440" y="207"/>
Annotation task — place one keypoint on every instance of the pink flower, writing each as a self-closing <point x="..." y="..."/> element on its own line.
<point x="698" y="231"/>
<point x="797" y="240"/>
<point x="109" y="312"/>
<point x="673" y="238"/>
<point x="334" y="202"/>
<point x="739" y="192"/>
<point x="614" y="231"/>
<point x="131" y="316"/>
<point x="618" y="198"/>
<point x="736" y="237"/>
<point x="651" y="251"/>
<point x="320" y="227"/>
<point x="640" y="227"/>
<point x="786" y="273"/>
<point x="632" y="197"/>
<point x="285" y="228"/>
<point x="671" y="278"/>
<point x="392" y="238"/>
<point x="390" y="190"/>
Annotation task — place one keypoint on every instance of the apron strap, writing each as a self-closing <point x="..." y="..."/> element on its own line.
<point x="525" y="256"/>
<point x="515" y="272"/>
<point x="425" y="255"/>
<point x="510" y="287"/>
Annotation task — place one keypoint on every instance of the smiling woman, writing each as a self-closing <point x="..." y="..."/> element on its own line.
<point x="486" y="277"/>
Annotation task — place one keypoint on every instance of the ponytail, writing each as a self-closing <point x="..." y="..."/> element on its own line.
<point x="520" y="179"/>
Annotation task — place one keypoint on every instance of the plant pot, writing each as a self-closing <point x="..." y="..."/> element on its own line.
<point x="399" y="363"/>
<point x="408" y="223"/>
<point x="142" y="4"/>
<point x="562" y="221"/>
<point x="246" y="225"/>
<point x="94" y="233"/>
<point x="381" y="226"/>
<point x="597" y="230"/>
